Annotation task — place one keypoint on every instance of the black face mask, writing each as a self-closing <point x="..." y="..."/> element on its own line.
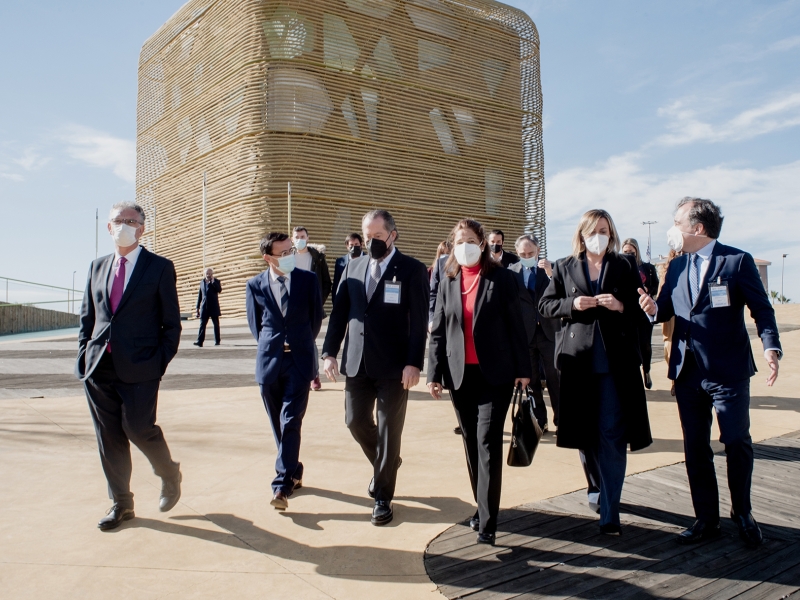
<point x="354" y="251"/>
<point x="496" y="248"/>
<point x="377" y="248"/>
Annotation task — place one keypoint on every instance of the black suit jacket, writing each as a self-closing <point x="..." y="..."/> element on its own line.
<point x="208" y="298"/>
<point x="436" y="278"/>
<point x="578" y="409"/>
<point x="338" y="269"/>
<point x="320" y="267"/>
<point x="388" y="337"/>
<point x="146" y="329"/>
<point x="508" y="258"/>
<point x="498" y="331"/>
<point x="530" y="310"/>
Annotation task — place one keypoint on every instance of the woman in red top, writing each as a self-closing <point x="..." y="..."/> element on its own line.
<point x="479" y="351"/>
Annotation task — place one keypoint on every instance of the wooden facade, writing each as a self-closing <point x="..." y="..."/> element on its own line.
<point x="428" y="108"/>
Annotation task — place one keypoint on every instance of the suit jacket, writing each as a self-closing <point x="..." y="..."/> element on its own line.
<point x="650" y="278"/>
<point x="508" y="259"/>
<point x="146" y="329"/>
<point x="388" y="337"/>
<point x="208" y="298"/>
<point x="436" y="278"/>
<point x="719" y="337"/>
<point x="299" y="328"/>
<point x="498" y="331"/>
<point x="338" y="269"/>
<point x="320" y="267"/>
<point x="530" y="309"/>
<point x="578" y="409"/>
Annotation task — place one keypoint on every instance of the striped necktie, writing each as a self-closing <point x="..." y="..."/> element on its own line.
<point x="374" y="278"/>
<point x="284" y="295"/>
<point x="694" y="277"/>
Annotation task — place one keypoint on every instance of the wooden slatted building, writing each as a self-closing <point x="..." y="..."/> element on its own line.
<point x="429" y="108"/>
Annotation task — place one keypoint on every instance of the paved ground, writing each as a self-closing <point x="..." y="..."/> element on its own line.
<point x="223" y="539"/>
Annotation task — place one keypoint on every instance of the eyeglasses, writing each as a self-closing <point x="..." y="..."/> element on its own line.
<point x="129" y="222"/>
<point x="285" y="253"/>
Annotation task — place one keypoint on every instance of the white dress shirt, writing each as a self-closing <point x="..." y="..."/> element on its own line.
<point x="705" y="260"/>
<point x="383" y="264"/>
<point x="275" y="285"/>
<point x="130" y="263"/>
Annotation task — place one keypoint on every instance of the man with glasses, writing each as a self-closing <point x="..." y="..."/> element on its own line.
<point x="130" y="328"/>
<point x="284" y="312"/>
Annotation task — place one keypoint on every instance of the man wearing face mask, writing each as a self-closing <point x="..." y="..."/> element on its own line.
<point x="130" y="329"/>
<point x="284" y="312"/>
<point x="354" y="244"/>
<point x="706" y="290"/>
<point x="496" y="239"/>
<point x="381" y="313"/>
<point x="533" y="274"/>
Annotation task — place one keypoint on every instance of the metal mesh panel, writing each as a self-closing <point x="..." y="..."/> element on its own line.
<point x="429" y="108"/>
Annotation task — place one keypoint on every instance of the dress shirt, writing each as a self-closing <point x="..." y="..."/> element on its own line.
<point x="527" y="273"/>
<point x="303" y="260"/>
<point x="130" y="263"/>
<point x="383" y="264"/>
<point x="275" y="285"/>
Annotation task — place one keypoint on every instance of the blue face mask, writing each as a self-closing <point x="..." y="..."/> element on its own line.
<point x="528" y="263"/>
<point x="286" y="264"/>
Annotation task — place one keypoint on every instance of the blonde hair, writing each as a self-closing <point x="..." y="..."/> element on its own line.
<point x="587" y="224"/>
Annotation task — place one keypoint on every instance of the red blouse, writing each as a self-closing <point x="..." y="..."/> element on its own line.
<point x="470" y="282"/>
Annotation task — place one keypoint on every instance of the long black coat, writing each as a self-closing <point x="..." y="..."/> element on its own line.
<point x="208" y="298"/>
<point x="498" y="331"/>
<point x="578" y="412"/>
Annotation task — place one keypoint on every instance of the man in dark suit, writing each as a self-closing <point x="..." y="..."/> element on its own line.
<point x="496" y="240"/>
<point x="534" y="274"/>
<point x="284" y="312"/>
<point x="208" y="306"/>
<point x="130" y="328"/>
<point x="706" y="290"/>
<point x="382" y="311"/>
<point x="354" y="244"/>
<point x="436" y="278"/>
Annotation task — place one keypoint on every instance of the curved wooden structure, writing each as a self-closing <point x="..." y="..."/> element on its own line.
<point x="429" y="108"/>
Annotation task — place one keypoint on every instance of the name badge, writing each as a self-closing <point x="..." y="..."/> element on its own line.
<point x="391" y="292"/>
<point x="720" y="298"/>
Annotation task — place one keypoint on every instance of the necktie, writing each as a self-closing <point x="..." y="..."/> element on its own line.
<point x="694" y="278"/>
<point x="118" y="286"/>
<point x="532" y="291"/>
<point x="374" y="278"/>
<point x="532" y="280"/>
<point x="284" y="295"/>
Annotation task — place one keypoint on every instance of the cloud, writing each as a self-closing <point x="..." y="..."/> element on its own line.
<point x="12" y="176"/>
<point x="100" y="149"/>
<point x="686" y="127"/>
<point x="31" y="160"/>
<point x="784" y="45"/>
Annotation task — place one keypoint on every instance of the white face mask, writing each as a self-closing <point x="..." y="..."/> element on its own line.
<point x="467" y="255"/>
<point x="675" y="238"/>
<point x="124" y="235"/>
<point x="300" y="244"/>
<point x="286" y="264"/>
<point x="597" y="243"/>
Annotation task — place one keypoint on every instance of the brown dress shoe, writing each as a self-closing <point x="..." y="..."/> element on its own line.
<point x="280" y="501"/>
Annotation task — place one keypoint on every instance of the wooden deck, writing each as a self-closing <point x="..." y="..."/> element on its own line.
<point x="553" y="548"/>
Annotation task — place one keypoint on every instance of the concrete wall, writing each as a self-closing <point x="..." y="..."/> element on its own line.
<point x="15" y="318"/>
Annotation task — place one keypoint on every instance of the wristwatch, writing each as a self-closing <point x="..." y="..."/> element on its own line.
<point x="325" y="355"/>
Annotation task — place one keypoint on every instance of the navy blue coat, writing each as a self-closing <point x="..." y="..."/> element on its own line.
<point x="208" y="298"/>
<point x="719" y="336"/>
<point x="299" y="328"/>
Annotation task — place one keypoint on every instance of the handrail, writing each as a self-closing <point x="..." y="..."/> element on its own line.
<point x="2" y="304"/>
<point x="41" y="285"/>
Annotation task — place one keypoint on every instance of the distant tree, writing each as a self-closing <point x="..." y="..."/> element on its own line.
<point x="783" y="299"/>
<point x="774" y="295"/>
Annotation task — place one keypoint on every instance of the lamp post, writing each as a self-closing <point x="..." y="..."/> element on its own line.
<point x="649" y="247"/>
<point x="783" y="267"/>
<point x="73" y="291"/>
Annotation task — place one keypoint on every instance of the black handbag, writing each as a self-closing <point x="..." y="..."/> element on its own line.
<point x="525" y="430"/>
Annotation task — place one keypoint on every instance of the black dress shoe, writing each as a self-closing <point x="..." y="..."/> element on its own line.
<point x="648" y="382"/>
<point x="114" y="517"/>
<point x="701" y="531"/>
<point x="486" y="538"/>
<point x="198" y="344"/>
<point x="382" y="513"/>
<point x="170" y="492"/>
<point x="749" y="530"/>
<point x="611" y="529"/>
<point x="371" y="486"/>
<point x="544" y="428"/>
<point x="458" y="431"/>
<point x="280" y="501"/>
<point x="216" y="343"/>
<point x="475" y="523"/>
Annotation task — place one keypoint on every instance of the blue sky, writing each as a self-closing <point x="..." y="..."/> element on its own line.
<point x="644" y="103"/>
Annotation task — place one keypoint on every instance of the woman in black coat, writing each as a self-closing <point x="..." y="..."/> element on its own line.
<point x="603" y="406"/>
<point x="649" y="278"/>
<point x="479" y="351"/>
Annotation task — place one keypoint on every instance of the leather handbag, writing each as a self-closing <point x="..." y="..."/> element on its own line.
<point x="525" y="430"/>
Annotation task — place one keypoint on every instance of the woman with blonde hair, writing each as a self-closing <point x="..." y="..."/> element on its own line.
<point x="603" y="406"/>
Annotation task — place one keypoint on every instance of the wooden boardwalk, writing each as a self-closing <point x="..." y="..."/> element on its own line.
<point x="553" y="548"/>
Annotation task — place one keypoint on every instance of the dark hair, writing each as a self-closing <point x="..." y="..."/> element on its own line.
<point x="353" y="237"/>
<point x="705" y="213"/>
<point x="268" y="240"/>
<point x="498" y="232"/>
<point x="299" y="228"/>
<point x="487" y="263"/>
<point x="635" y="244"/>
<point x="388" y="219"/>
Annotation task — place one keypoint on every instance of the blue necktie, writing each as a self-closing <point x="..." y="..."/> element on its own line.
<point x="694" y="277"/>
<point x="284" y="295"/>
<point x="532" y="280"/>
